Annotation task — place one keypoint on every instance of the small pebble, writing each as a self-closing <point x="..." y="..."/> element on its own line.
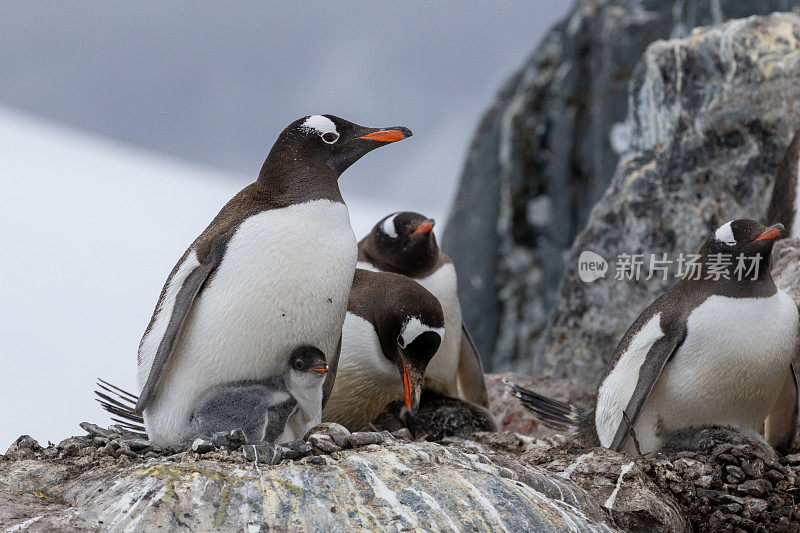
<point x="323" y="443"/>
<point x="136" y="445"/>
<point x="363" y="438"/>
<point x="202" y="446"/>
<point x="97" y="431"/>
<point x="295" y="449"/>
<point x="403" y="434"/>
<point x="265" y="452"/>
<point x="337" y="432"/>
<point x="230" y="439"/>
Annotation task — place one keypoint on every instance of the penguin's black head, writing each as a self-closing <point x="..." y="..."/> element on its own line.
<point x="329" y="143"/>
<point x="403" y="242"/>
<point x="417" y="342"/>
<point x="742" y="242"/>
<point x="308" y="359"/>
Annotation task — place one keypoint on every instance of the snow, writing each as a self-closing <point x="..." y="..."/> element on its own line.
<point x="89" y="231"/>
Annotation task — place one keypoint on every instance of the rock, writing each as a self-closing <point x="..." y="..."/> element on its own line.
<point x="96" y="431"/>
<point x="337" y="432"/>
<point x="136" y="445"/>
<point x="229" y="439"/>
<point x="710" y="118"/>
<point x="618" y="483"/>
<point x="202" y="446"/>
<point x="548" y="147"/>
<point x="24" y="446"/>
<point x="365" y="489"/>
<point x="364" y="438"/>
<point x="296" y="449"/>
<point x="323" y="443"/>
<point x="403" y="434"/>
<point x="265" y="452"/>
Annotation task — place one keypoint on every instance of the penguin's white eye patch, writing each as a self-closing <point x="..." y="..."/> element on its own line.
<point x="320" y="125"/>
<point x="330" y="137"/>
<point x="725" y="234"/>
<point x="413" y="328"/>
<point x="388" y="226"/>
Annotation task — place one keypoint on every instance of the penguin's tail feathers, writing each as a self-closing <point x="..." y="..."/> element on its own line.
<point x="121" y="404"/>
<point x="553" y="413"/>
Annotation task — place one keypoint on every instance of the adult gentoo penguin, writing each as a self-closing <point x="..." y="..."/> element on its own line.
<point x="714" y="349"/>
<point x="271" y="272"/>
<point x="392" y="329"/>
<point x="404" y="243"/>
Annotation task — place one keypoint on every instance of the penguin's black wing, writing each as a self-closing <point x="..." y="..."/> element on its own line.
<point x="654" y="362"/>
<point x="188" y="292"/>
<point x="781" y="423"/>
<point x="330" y="377"/>
<point x="470" y="371"/>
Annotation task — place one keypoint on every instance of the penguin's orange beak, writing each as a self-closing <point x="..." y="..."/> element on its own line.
<point x="411" y="391"/>
<point x="388" y="136"/>
<point x="320" y="369"/>
<point x="425" y="227"/>
<point x="772" y="232"/>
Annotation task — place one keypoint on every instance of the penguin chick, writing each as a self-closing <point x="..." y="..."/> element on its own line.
<point x="404" y="243"/>
<point x="261" y="409"/>
<point x="392" y="329"/>
<point x="712" y="350"/>
<point x="272" y="270"/>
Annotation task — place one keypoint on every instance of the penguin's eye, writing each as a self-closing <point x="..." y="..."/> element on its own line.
<point x="298" y="364"/>
<point x="330" y="137"/>
<point x="401" y="342"/>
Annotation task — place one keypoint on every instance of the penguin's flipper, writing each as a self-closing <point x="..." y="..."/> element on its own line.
<point x="654" y="362"/>
<point x="277" y="417"/>
<point x="190" y="289"/>
<point x="781" y="423"/>
<point x="330" y="377"/>
<point x="471" y="384"/>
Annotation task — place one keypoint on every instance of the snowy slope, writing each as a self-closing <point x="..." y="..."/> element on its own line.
<point x="89" y="231"/>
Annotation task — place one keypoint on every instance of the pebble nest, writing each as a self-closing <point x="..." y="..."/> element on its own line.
<point x="116" y="445"/>
<point x="741" y="485"/>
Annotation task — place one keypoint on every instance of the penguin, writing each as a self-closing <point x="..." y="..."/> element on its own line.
<point x="709" y="351"/>
<point x="404" y="243"/>
<point x="273" y="270"/>
<point x="392" y="329"/>
<point x="784" y="204"/>
<point x="261" y="409"/>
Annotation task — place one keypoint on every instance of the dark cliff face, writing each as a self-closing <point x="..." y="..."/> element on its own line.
<point x="544" y="154"/>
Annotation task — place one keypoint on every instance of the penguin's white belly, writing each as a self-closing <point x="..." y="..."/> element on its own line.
<point x="284" y="281"/>
<point x="729" y="370"/>
<point x="441" y="375"/>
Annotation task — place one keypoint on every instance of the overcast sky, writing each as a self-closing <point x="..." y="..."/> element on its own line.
<point x="215" y="82"/>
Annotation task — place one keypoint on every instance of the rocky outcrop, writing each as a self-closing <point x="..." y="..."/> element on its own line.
<point x="710" y="118"/>
<point x="548" y="147"/>
<point x="393" y="486"/>
<point x="492" y="481"/>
